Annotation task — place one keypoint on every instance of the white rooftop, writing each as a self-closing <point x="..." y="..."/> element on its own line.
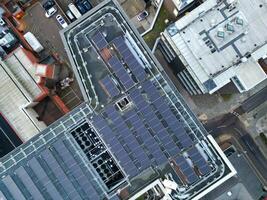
<point x="22" y="66"/>
<point x="216" y="40"/>
<point x="12" y="105"/>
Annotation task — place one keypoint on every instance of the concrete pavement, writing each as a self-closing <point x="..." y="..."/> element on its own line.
<point x="231" y="125"/>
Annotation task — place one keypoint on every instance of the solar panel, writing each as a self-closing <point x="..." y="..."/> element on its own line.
<point x="199" y="161"/>
<point x="155" y="124"/>
<point x="60" y="175"/>
<point x="46" y="182"/>
<point x="111" y="112"/>
<point x="130" y="59"/>
<point x="186" y="169"/>
<point x="203" y="167"/>
<point x="142" y="158"/>
<point x="126" y="162"/>
<point x="121" y="72"/>
<point x="13" y="188"/>
<point x="159" y="156"/>
<point x="2" y="196"/>
<point x="98" y="122"/>
<point x="151" y="90"/>
<point x="75" y="169"/>
<point x="127" y="136"/>
<point x="116" y="147"/>
<point x="99" y="40"/>
<point x="130" y="169"/>
<point x="126" y="53"/>
<point x="28" y="183"/>
<point x="110" y="86"/>
<point x="186" y="142"/>
<point x="172" y="121"/>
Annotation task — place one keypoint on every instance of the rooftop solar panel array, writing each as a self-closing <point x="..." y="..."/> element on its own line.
<point x="186" y="169"/>
<point x="199" y="161"/>
<point x="115" y="146"/>
<point x="13" y="188"/>
<point x="55" y="174"/>
<point x="167" y="114"/>
<point x="121" y="72"/>
<point x="121" y="128"/>
<point x="99" y="40"/>
<point x="110" y="86"/>
<point x="148" y="140"/>
<point x="153" y="121"/>
<point x="129" y="58"/>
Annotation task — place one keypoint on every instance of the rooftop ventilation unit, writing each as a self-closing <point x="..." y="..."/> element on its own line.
<point x="172" y="30"/>
<point x="212" y="22"/>
<point x="220" y="34"/>
<point x="230" y="28"/>
<point x="239" y="21"/>
<point x="123" y="103"/>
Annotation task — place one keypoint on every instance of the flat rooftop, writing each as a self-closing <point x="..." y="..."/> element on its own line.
<point x="133" y="128"/>
<point x="13" y="97"/>
<point x="219" y="41"/>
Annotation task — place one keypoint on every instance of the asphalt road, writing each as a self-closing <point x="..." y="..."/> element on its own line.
<point x="230" y="124"/>
<point x="253" y="101"/>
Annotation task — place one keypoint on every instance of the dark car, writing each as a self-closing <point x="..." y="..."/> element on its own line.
<point x="83" y="6"/>
<point x="48" y="4"/>
<point x="141" y="16"/>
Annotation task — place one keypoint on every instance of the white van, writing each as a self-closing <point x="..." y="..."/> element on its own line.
<point x="74" y="10"/>
<point x="70" y="15"/>
<point x="33" y="42"/>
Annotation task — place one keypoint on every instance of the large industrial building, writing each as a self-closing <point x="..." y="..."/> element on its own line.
<point x="133" y="136"/>
<point x="220" y="42"/>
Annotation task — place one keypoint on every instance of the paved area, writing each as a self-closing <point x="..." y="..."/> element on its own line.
<point x="38" y="24"/>
<point x="45" y="29"/>
<point x="256" y="122"/>
<point x="71" y="96"/>
<point x="230" y="125"/>
<point x="64" y="3"/>
<point x="133" y="8"/>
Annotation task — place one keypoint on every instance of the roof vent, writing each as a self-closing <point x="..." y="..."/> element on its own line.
<point x="220" y="34"/>
<point x="244" y="59"/>
<point x="123" y="104"/>
<point x="230" y="28"/>
<point x="172" y="30"/>
<point x="239" y="21"/>
<point x="243" y="39"/>
<point x="212" y="22"/>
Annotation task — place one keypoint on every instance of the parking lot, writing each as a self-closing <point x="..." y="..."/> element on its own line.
<point x="46" y="30"/>
<point x="64" y="3"/>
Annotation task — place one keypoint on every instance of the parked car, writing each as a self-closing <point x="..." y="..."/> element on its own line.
<point x="83" y="6"/>
<point x="141" y="16"/>
<point x="70" y="15"/>
<point x="49" y="13"/>
<point x="74" y="10"/>
<point x="33" y="42"/>
<point x="61" y="21"/>
<point x="48" y="4"/>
